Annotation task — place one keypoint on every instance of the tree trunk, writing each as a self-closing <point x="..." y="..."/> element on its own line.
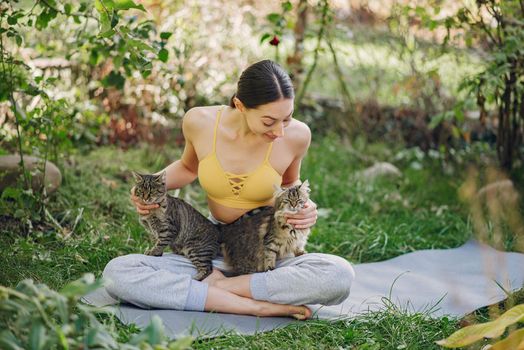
<point x="294" y="62"/>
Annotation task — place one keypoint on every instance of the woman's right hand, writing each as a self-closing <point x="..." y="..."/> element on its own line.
<point x="141" y="208"/>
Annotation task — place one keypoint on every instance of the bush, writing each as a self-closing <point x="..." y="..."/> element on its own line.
<point x="33" y="316"/>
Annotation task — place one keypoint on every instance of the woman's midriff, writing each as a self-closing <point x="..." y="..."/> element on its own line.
<point x="225" y="214"/>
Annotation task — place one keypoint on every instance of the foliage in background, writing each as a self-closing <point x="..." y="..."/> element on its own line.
<point x="278" y="23"/>
<point x="43" y="120"/>
<point x="33" y="316"/>
<point x="497" y="28"/>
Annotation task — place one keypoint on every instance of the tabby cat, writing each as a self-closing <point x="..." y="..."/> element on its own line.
<point x="177" y="224"/>
<point x="244" y="241"/>
<point x="289" y="241"/>
<point x="257" y="239"/>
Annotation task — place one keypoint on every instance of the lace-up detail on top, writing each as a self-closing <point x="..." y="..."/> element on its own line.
<point x="246" y="191"/>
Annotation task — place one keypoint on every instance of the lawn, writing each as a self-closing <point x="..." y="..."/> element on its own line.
<point x="360" y="221"/>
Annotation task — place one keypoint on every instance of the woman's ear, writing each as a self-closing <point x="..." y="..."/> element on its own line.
<point x="239" y="105"/>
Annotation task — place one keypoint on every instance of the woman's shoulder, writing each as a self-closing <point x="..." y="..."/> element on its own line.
<point x="298" y="134"/>
<point x="198" y="118"/>
<point x="201" y="114"/>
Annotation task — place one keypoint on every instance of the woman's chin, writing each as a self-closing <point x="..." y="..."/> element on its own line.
<point x="270" y="138"/>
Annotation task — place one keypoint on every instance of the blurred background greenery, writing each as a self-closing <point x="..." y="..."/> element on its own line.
<point x="434" y="88"/>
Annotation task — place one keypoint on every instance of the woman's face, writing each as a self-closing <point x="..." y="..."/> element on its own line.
<point x="270" y="119"/>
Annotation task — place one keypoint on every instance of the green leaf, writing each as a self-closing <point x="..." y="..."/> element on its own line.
<point x="274" y="17"/>
<point x="81" y="286"/>
<point x="93" y="57"/>
<point x="287" y="6"/>
<point x="114" y="79"/>
<point x="9" y="342"/>
<point x="61" y="308"/>
<point x="163" y="55"/>
<point x="11" y="192"/>
<point x="99" y="338"/>
<point x="153" y="334"/>
<point x="140" y="45"/>
<point x="459" y="114"/>
<point x="102" y="6"/>
<point x="11" y="20"/>
<point x="455" y="132"/>
<point x="114" y="19"/>
<point x="265" y="37"/>
<point x="182" y="343"/>
<point x="436" y="120"/>
<point x="107" y="34"/>
<point x="19" y="213"/>
<point x="126" y="5"/>
<point x="105" y="22"/>
<point x="37" y="337"/>
<point x="18" y="40"/>
<point x="165" y="35"/>
<point x="67" y="9"/>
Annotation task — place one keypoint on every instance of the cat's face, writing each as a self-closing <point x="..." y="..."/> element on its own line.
<point x="292" y="199"/>
<point x="150" y="188"/>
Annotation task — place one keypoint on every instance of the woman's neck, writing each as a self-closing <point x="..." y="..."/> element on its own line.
<point x="237" y="122"/>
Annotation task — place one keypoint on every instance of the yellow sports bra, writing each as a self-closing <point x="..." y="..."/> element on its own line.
<point x="243" y="191"/>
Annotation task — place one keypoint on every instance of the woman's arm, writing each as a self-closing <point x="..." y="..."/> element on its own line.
<point x="298" y="144"/>
<point x="185" y="170"/>
<point x="307" y="217"/>
<point x="181" y="172"/>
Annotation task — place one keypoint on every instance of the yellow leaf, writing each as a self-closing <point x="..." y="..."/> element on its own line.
<point x="493" y="329"/>
<point x="467" y="335"/>
<point x="515" y="341"/>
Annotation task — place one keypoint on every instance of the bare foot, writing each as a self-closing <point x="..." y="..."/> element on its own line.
<point x="303" y="315"/>
<point x="300" y="312"/>
<point x="214" y="277"/>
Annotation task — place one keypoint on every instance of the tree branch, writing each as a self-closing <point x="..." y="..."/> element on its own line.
<point x="66" y="14"/>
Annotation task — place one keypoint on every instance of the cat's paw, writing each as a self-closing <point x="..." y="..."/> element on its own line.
<point x="202" y="274"/>
<point x="154" y="252"/>
<point x="269" y="266"/>
<point x="300" y="252"/>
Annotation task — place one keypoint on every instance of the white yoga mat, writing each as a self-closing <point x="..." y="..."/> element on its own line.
<point x="451" y="282"/>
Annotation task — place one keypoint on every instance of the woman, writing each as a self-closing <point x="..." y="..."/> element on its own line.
<point x="239" y="153"/>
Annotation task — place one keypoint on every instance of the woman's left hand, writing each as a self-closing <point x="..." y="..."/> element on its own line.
<point x="305" y="218"/>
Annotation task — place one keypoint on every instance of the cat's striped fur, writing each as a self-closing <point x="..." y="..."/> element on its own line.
<point x="257" y="239"/>
<point x="177" y="224"/>
<point x="289" y="241"/>
<point x="244" y="241"/>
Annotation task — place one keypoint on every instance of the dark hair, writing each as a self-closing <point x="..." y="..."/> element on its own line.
<point x="263" y="82"/>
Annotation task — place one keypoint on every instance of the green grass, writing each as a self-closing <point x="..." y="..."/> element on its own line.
<point x="365" y="222"/>
<point x="383" y="330"/>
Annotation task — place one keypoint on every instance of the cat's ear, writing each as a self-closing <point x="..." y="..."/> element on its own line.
<point x="161" y="178"/>
<point x="304" y="187"/>
<point x="138" y="177"/>
<point x="278" y="191"/>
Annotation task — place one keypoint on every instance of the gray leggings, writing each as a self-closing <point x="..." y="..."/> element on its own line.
<point x="166" y="282"/>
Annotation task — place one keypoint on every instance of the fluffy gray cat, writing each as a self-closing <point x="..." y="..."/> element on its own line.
<point x="257" y="239"/>
<point x="177" y="224"/>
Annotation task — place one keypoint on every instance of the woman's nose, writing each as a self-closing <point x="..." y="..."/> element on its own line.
<point x="279" y="131"/>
